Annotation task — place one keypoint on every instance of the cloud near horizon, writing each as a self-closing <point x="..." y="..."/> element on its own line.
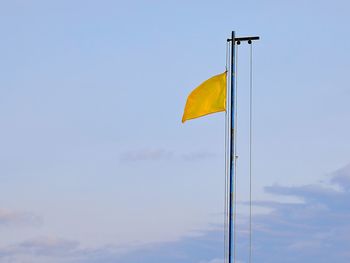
<point x="317" y="228"/>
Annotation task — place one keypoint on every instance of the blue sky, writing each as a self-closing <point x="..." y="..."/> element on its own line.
<point x="95" y="165"/>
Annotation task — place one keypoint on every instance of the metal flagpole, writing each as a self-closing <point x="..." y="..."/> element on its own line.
<point x="232" y="140"/>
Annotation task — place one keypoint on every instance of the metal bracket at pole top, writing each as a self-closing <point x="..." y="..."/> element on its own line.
<point x="238" y="40"/>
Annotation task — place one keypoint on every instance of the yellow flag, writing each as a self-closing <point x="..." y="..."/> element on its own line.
<point x="209" y="97"/>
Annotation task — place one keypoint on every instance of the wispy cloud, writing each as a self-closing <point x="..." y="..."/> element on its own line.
<point x="56" y="250"/>
<point x="47" y="246"/>
<point x="342" y="178"/>
<point x="51" y="249"/>
<point x="18" y="218"/>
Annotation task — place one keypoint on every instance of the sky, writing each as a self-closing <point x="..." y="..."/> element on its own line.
<point x="96" y="166"/>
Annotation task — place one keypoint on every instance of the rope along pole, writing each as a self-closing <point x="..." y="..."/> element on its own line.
<point x="250" y="147"/>
<point x="235" y="162"/>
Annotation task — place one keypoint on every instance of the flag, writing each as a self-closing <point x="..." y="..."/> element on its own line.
<point x="207" y="98"/>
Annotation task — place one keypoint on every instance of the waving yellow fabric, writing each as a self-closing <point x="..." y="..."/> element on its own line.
<point x="207" y="98"/>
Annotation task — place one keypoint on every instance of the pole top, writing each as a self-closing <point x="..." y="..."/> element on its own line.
<point x="238" y="40"/>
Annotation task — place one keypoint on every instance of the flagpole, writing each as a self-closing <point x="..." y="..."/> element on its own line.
<point x="232" y="140"/>
<point x="232" y="143"/>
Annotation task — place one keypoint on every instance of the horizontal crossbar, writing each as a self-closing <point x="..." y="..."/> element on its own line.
<point x="241" y="39"/>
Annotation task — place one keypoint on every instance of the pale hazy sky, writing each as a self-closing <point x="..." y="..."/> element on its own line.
<point x="95" y="165"/>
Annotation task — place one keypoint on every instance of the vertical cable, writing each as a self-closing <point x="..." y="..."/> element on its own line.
<point x="250" y="148"/>
<point x="235" y="162"/>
